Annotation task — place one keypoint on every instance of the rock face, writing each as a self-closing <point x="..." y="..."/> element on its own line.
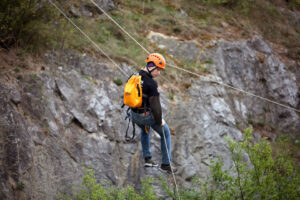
<point x="55" y="123"/>
<point x="89" y="9"/>
<point x="251" y="66"/>
<point x="182" y="50"/>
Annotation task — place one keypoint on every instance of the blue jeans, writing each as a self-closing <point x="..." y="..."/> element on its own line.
<point x="148" y="120"/>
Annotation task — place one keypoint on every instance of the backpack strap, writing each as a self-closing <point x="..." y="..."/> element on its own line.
<point x="127" y="138"/>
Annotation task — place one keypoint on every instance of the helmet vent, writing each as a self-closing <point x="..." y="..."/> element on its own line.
<point x="156" y="58"/>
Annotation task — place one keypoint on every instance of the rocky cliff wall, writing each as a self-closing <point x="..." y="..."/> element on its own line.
<point x="68" y="116"/>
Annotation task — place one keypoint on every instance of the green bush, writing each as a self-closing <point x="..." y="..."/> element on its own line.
<point x="22" y="22"/>
<point x="294" y="4"/>
<point x="255" y="174"/>
<point x="171" y="96"/>
<point x="118" y="81"/>
<point x="91" y="190"/>
<point x="260" y="176"/>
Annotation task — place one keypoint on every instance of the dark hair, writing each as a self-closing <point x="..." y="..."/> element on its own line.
<point x="150" y="64"/>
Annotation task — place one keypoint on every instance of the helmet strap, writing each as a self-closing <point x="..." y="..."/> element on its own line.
<point x="151" y="64"/>
<point x="152" y="69"/>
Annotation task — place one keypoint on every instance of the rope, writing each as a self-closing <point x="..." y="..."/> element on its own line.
<point x="196" y="74"/>
<point x="97" y="46"/>
<point x="176" y="187"/>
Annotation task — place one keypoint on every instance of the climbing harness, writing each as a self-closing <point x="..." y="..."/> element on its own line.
<point x="127" y="138"/>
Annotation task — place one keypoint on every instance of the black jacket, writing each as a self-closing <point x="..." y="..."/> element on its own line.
<point x="153" y="101"/>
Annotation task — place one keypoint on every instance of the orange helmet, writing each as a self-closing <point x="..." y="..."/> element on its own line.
<point x="157" y="59"/>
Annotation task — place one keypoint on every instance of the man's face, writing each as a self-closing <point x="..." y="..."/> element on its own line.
<point x="155" y="72"/>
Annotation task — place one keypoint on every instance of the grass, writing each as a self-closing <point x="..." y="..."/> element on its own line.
<point x="262" y="17"/>
<point x="164" y="16"/>
<point x="17" y="69"/>
<point x="171" y="96"/>
<point x="290" y="145"/>
<point x="20" y="186"/>
<point x="109" y="37"/>
<point x="208" y="61"/>
<point x="199" y="67"/>
<point x="118" y="81"/>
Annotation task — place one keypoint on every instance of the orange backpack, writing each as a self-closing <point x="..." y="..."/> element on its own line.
<point x="133" y="95"/>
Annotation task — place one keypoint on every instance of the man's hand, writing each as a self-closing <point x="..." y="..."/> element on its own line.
<point x="163" y="122"/>
<point x="171" y="130"/>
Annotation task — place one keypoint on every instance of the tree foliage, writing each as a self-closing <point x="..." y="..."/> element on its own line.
<point x="255" y="174"/>
<point x="23" y="22"/>
<point x="91" y="190"/>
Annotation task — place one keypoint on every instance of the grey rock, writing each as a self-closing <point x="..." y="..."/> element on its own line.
<point x="86" y="11"/>
<point x="74" y="11"/>
<point x="55" y="123"/>
<point x="79" y="100"/>
<point x="258" y="44"/>
<point x="106" y="4"/>
<point x="15" y="145"/>
<point x="15" y="96"/>
<point x="238" y="65"/>
<point x="183" y="13"/>
<point x="183" y="50"/>
<point x="294" y="17"/>
<point x="90" y="9"/>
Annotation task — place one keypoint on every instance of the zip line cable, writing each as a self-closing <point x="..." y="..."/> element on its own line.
<point x="97" y="46"/>
<point x="196" y="74"/>
<point x="118" y="68"/>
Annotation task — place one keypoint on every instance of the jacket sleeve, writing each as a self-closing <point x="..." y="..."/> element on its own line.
<point x="156" y="109"/>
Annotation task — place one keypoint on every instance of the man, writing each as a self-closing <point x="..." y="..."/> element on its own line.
<point x="150" y="115"/>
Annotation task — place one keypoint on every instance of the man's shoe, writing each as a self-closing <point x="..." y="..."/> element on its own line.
<point x="167" y="169"/>
<point x="150" y="163"/>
